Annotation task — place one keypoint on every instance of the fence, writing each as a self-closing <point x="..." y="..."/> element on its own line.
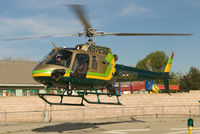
<point x="78" y="114"/>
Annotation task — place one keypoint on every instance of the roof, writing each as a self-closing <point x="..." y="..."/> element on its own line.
<point x="17" y="72"/>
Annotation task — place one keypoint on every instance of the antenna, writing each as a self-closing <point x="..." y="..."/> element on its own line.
<point x="54" y="45"/>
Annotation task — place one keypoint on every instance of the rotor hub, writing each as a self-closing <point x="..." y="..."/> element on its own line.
<point x="91" y="32"/>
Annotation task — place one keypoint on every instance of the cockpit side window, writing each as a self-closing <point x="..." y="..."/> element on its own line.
<point x="94" y="62"/>
<point x="61" y="58"/>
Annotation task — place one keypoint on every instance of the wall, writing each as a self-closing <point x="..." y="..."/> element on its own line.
<point x="134" y="104"/>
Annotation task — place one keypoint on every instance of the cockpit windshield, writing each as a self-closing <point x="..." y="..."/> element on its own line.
<point x="47" y="56"/>
<point x="61" y="58"/>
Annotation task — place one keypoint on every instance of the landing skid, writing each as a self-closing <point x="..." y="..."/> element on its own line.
<point x="81" y="94"/>
<point x="42" y="96"/>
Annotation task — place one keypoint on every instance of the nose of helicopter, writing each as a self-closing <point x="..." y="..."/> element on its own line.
<point x="41" y="73"/>
<point x="50" y="77"/>
<point x="41" y="76"/>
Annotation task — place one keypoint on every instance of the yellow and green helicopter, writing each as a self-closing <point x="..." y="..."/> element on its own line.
<point x="88" y="67"/>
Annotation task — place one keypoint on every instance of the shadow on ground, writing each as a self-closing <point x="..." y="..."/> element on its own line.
<point x="69" y="126"/>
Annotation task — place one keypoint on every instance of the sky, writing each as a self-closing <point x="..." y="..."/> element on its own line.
<point x="24" y="18"/>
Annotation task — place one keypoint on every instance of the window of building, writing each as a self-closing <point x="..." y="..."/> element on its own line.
<point x="9" y="92"/>
<point x="30" y="92"/>
<point x="1" y="92"/>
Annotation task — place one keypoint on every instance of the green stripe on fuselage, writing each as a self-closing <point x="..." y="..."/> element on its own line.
<point x="42" y="71"/>
<point x="108" y="70"/>
<point x="100" y="74"/>
<point x="109" y="57"/>
<point x="95" y="74"/>
<point x="47" y="71"/>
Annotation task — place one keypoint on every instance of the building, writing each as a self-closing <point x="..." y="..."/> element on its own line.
<point x="16" y="79"/>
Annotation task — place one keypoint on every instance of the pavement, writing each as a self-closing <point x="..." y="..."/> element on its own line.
<point x="107" y="126"/>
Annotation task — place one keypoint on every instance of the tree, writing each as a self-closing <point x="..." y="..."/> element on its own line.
<point x="155" y="61"/>
<point x="175" y="78"/>
<point x="191" y="80"/>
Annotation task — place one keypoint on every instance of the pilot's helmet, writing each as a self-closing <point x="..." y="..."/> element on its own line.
<point x="59" y="55"/>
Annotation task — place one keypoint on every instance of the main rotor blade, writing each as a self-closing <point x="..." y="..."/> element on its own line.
<point x="40" y="37"/>
<point x="148" y="34"/>
<point x="80" y="12"/>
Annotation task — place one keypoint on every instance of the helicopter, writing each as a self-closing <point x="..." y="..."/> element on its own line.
<point x="88" y="68"/>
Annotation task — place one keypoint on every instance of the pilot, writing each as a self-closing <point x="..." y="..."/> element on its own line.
<point x="82" y="69"/>
<point x="59" y="60"/>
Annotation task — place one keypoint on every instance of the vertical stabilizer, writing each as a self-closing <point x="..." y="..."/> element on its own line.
<point x="169" y="63"/>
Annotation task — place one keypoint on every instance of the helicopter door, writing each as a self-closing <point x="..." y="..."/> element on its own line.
<point x="80" y="66"/>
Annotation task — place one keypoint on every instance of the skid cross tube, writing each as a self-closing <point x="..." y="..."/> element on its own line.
<point x="42" y="96"/>
<point x="98" y="99"/>
<point x="81" y="94"/>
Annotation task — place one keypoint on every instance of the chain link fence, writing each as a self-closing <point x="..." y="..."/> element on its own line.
<point x="81" y="114"/>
